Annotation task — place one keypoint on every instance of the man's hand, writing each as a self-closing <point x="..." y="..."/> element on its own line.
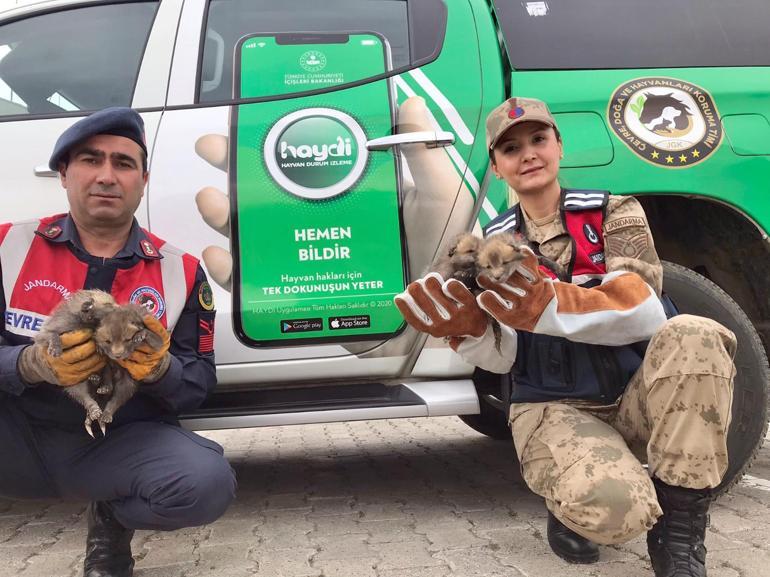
<point x="79" y="360"/>
<point x="146" y="363"/>
<point x="520" y="300"/>
<point x="441" y="309"/>
<point x="429" y="200"/>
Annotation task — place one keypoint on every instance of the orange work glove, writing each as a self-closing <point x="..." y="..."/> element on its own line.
<point x="146" y="363"/>
<point x="79" y="360"/>
<point x="442" y="309"/>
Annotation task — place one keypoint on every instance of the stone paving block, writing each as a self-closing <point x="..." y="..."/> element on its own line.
<point x="185" y="535"/>
<point x="723" y="572"/>
<point x="726" y="521"/>
<point x="408" y="554"/>
<point x="290" y="501"/>
<point x="755" y="564"/>
<point x="324" y="506"/>
<point x="336" y="525"/>
<point x="293" y="562"/>
<point x="231" y="530"/>
<point x="438" y="571"/>
<point x="470" y="502"/>
<point x="381" y="511"/>
<point x="27" y="508"/>
<point x="388" y="530"/>
<point x="166" y="553"/>
<point x="495" y="519"/>
<point x="64" y="510"/>
<point x="345" y="568"/>
<point x="284" y="538"/>
<point x="68" y="542"/>
<point x="57" y="565"/>
<point x="476" y="563"/>
<point x="740" y="503"/>
<point x="180" y="570"/>
<point x="339" y="547"/>
<point x="233" y="558"/>
<point x="449" y="535"/>
<point x="34" y="533"/>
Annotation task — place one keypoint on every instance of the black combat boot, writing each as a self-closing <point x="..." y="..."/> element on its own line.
<point x="108" y="546"/>
<point x="569" y="545"/>
<point x="675" y="543"/>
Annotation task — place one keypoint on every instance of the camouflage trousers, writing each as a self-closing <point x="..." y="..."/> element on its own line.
<point x="586" y="461"/>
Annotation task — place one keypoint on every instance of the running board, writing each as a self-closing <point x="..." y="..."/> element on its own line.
<point x="329" y="404"/>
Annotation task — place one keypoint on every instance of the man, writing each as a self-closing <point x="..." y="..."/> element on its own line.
<point x="590" y="396"/>
<point x="146" y="472"/>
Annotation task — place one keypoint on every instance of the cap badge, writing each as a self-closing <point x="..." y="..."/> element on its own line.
<point x="514" y="113"/>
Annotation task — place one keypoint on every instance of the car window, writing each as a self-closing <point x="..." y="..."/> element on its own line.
<point x="413" y="30"/>
<point x="606" y="34"/>
<point x="73" y="60"/>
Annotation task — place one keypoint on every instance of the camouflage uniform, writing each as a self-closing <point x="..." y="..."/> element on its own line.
<point x="585" y="460"/>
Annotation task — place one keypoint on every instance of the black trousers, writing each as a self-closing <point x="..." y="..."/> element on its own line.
<point x="155" y="476"/>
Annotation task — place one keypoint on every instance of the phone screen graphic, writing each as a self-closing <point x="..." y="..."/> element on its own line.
<point x="316" y="239"/>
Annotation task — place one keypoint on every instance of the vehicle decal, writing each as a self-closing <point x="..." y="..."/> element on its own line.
<point x="469" y="178"/>
<point x="445" y="105"/>
<point x="666" y="121"/>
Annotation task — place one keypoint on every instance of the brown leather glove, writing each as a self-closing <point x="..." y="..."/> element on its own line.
<point x="520" y="300"/>
<point x="147" y="363"/>
<point x="441" y="309"/>
<point x="79" y="360"/>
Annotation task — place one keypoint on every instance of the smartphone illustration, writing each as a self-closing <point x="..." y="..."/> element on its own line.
<point x="316" y="233"/>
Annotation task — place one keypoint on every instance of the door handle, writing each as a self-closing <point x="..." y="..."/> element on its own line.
<point x="431" y="139"/>
<point x="43" y="171"/>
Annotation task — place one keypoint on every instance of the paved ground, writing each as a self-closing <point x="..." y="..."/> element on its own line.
<point x="401" y="498"/>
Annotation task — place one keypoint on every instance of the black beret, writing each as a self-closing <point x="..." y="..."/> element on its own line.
<point x="119" y="121"/>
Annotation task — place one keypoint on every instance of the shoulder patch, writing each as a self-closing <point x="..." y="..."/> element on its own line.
<point x="149" y="249"/>
<point x="506" y="221"/>
<point x="51" y="231"/>
<point x="574" y="200"/>
<point x="205" y="333"/>
<point x="149" y="298"/>
<point x="206" y="296"/>
<point x="624" y="222"/>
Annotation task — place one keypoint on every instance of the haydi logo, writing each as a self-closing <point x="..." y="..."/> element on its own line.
<point x="316" y="153"/>
<point x="319" y="153"/>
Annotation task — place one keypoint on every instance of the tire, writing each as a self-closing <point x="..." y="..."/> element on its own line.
<point x="492" y="420"/>
<point x="694" y="294"/>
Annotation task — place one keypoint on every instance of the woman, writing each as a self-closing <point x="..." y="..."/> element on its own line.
<point x="588" y="391"/>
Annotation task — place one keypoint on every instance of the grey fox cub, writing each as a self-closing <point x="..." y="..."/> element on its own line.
<point x="119" y="333"/>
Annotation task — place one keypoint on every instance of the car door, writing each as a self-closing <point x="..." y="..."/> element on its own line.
<point x="338" y="187"/>
<point x="59" y="62"/>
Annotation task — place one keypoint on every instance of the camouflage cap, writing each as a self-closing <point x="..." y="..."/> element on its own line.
<point x="515" y="111"/>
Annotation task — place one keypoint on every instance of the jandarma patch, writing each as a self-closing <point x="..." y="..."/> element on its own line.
<point x="205" y="296"/>
<point x="625" y="222"/>
<point x="666" y="121"/>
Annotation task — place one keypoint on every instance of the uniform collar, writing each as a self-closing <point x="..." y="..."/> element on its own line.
<point x="62" y="229"/>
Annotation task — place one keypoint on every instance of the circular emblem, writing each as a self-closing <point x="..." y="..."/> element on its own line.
<point x="515" y="112"/>
<point x="205" y="296"/>
<point x="590" y="233"/>
<point x="666" y="121"/>
<point x="316" y="153"/>
<point x="150" y="299"/>
<point x="313" y="60"/>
